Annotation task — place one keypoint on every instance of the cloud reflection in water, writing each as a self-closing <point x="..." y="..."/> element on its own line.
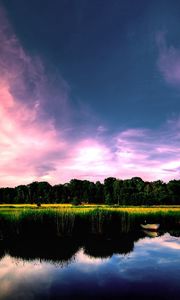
<point x="136" y="273"/>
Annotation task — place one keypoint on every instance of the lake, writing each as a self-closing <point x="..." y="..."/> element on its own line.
<point x="132" y="266"/>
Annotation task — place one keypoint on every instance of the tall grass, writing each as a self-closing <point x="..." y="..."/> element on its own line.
<point x="58" y="221"/>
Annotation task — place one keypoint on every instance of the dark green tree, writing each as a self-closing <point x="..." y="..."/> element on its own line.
<point x="108" y="190"/>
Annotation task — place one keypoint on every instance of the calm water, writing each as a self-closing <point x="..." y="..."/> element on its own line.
<point x="134" y="267"/>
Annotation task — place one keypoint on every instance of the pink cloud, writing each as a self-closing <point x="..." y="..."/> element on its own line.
<point x="151" y="155"/>
<point x="28" y="137"/>
<point x="26" y="142"/>
<point x="148" y="154"/>
<point x="169" y="60"/>
<point x="33" y="148"/>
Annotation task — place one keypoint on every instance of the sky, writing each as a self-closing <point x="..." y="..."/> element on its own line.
<point x="89" y="89"/>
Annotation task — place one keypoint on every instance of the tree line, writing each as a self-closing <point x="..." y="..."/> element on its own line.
<point x="113" y="191"/>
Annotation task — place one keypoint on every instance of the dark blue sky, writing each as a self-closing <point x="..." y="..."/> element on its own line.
<point x="107" y="53"/>
<point x="93" y="86"/>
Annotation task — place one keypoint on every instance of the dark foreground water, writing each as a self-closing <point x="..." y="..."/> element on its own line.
<point x="135" y="266"/>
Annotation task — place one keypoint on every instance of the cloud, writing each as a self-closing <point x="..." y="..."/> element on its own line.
<point x="162" y="241"/>
<point x="33" y="147"/>
<point x="28" y="136"/>
<point x="149" y="154"/>
<point x="82" y="259"/>
<point x="169" y="60"/>
<point x="20" y="279"/>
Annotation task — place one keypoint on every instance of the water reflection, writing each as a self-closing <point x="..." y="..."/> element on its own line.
<point x="61" y="251"/>
<point x="152" y="234"/>
<point x="64" y="249"/>
<point x="135" y="266"/>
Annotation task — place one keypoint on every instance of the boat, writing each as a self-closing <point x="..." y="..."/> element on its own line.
<point x="152" y="227"/>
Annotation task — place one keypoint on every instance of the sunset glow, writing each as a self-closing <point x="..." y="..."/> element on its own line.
<point x="37" y="144"/>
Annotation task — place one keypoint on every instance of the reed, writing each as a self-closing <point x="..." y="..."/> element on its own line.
<point x="60" y="221"/>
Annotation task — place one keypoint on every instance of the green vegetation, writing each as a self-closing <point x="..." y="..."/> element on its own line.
<point x="64" y="220"/>
<point x="132" y="191"/>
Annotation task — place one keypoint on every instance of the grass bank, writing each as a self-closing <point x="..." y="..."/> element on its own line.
<point x="25" y="221"/>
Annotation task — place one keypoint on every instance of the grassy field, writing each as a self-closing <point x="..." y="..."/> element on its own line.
<point x="89" y="207"/>
<point x="66" y="220"/>
<point x="17" y="210"/>
<point x="65" y="205"/>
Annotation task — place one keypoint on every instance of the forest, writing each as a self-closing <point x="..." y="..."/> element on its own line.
<point x="113" y="191"/>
